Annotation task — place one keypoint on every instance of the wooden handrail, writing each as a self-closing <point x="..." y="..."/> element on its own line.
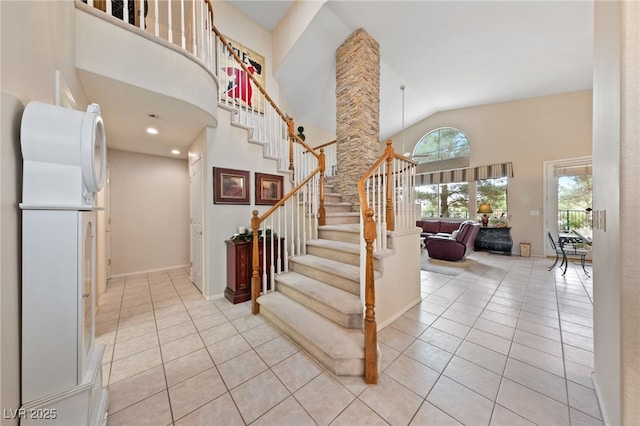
<point x="402" y="157"/>
<point x="246" y="69"/>
<point x="306" y="146"/>
<point x="369" y="234"/>
<point x="288" y="120"/>
<point x="257" y="220"/>
<point x="289" y="195"/>
<point x="210" y="7"/>
<point x="361" y="192"/>
<point x="326" y="144"/>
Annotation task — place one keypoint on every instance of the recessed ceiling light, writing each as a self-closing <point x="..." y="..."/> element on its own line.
<point x="152" y="130"/>
<point x="175" y="152"/>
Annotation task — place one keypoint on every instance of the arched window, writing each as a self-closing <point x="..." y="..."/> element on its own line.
<point x="443" y="149"/>
<point x="440" y="145"/>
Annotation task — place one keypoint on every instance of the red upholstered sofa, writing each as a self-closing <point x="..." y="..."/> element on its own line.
<point x="453" y="247"/>
<point x="433" y="227"/>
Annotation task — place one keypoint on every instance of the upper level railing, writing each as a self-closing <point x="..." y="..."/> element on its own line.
<point x="387" y="203"/>
<point x="189" y="24"/>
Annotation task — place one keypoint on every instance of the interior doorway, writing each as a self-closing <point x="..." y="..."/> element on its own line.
<point x="197" y="249"/>
<point x="568" y="195"/>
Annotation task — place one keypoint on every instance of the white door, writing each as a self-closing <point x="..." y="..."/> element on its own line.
<point x="553" y="170"/>
<point x="107" y="207"/>
<point x="196" y="222"/>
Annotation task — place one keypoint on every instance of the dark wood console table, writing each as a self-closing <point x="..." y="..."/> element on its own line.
<point x="494" y="239"/>
<point x="240" y="264"/>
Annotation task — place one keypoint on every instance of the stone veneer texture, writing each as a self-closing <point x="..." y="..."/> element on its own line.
<point x="357" y="111"/>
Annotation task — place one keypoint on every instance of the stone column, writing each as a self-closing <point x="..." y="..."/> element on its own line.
<point x="357" y="111"/>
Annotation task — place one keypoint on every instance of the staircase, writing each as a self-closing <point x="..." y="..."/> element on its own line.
<point x="317" y="303"/>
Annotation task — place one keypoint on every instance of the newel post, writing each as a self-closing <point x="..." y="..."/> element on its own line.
<point x="370" y="326"/>
<point x="321" y="212"/>
<point x="255" y="264"/>
<point x="390" y="178"/>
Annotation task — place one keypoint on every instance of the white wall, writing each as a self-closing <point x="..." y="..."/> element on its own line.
<point x="606" y="166"/>
<point x="149" y="212"/>
<point x="616" y="160"/>
<point x="10" y="252"/>
<point x="228" y="147"/>
<point x="398" y="289"/>
<point x="30" y="54"/>
<point x="526" y="132"/>
<point x="291" y="27"/>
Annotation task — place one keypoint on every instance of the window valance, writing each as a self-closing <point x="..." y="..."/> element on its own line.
<point x="468" y="174"/>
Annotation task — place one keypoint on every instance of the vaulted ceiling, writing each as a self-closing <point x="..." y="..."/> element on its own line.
<point x="448" y="54"/>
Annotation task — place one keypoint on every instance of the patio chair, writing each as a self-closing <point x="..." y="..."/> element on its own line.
<point x="559" y="250"/>
<point x="578" y="247"/>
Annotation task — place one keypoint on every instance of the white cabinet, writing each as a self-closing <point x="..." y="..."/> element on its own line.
<point x="63" y="169"/>
<point x="61" y="366"/>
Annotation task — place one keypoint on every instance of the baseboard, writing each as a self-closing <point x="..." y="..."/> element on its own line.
<point x="401" y="312"/>
<point x="215" y="296"/>
<point x="147" y="271"/>
<point x="603" y="409"/>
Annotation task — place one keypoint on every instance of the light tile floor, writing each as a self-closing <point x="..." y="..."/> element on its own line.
<point x="505" y="342"/>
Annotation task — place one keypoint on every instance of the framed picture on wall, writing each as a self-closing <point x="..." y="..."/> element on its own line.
<point x="268" y="188"/>
<point x="230" y="186"/>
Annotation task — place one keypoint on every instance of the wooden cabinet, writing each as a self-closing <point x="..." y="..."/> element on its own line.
<point x="494" y="239"/>
<point x="240" y="264"/>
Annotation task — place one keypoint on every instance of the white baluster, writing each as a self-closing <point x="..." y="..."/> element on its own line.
<point x="202" y="24"/>
<point x="293" y="210"/>
<point x="125" y="10"/>
<point x="141" y="23"/>
<point x="273" y="254"/>
<point x="183" y="38"/>
<point x="170" y="23"/>
<point x="264" y="259"/>
<point x="194" y="30"/>
<point x="156" y="20"/>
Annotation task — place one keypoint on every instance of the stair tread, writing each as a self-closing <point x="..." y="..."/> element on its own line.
<point x="337" y="245"/>
<point x="348" y="227"/>
<point x="340" y="300"/>
<point x="336" y="341"/>
<point x="350" y="272"/>
<point x="337" y="203"/>
<point x="337" y="214"/>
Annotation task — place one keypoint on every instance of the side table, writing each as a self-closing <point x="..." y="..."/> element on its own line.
<point x="494" y="239"/>
<point x="240" y="267"/>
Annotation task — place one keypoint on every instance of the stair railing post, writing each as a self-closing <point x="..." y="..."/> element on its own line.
<point x="370" y="326"/>
<point x="255" y="264"/>
<point x="390" y="179"/>
<point x="291" y="137"/>
<point x="321" y="211"/>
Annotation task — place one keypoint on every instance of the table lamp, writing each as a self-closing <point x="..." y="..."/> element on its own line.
<point x="484" y="209"/>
